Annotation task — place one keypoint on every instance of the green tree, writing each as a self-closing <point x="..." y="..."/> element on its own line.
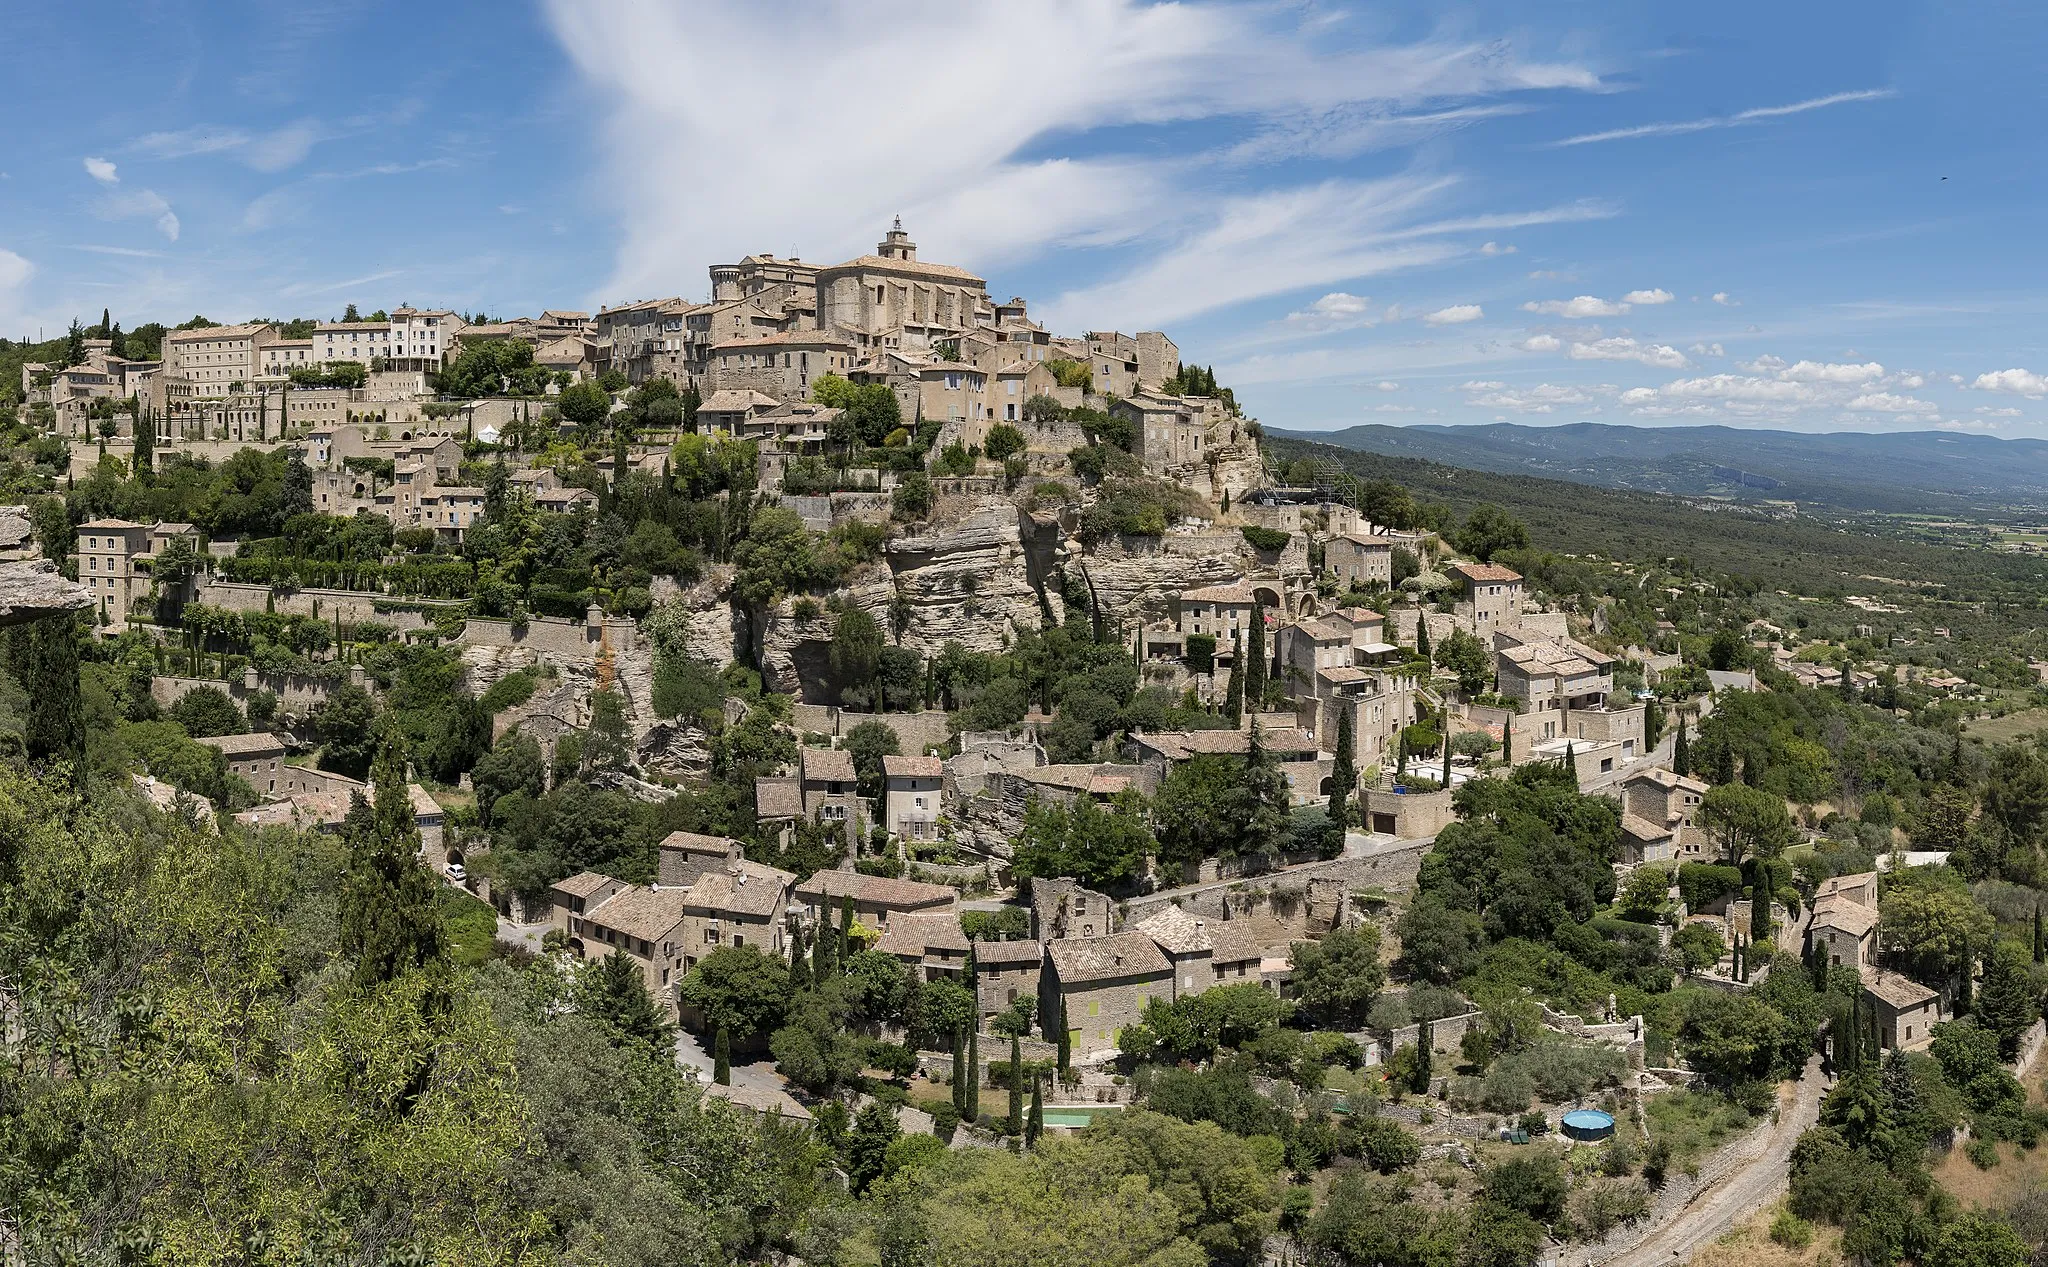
<point x="606" y="748"/>
<point x="867" y="1145"/>
<point x="345" y="723"/>
<point x="388" y="922"/>
<point x="1004" y="441"/>
<point x="44" y="655"/>
<point x="868" y="743"/>
<point x="207" y="710"/>
<point x="1465" y="655"/>
<point x="1016" y="1119"/>
<point x="739" y="991"/>
<point x="584" y="404"/>
<point x="1746" y="821"/>
<point x="1255" y="665"/>
<point x="1489" y="530"/>
<point x="856" y="653"/>
<point x="1337" y="977"/>
<point x="912" y="499"/>
<point x="1932" y="931"/>
<point x="1103" y="848"/>
<point x="1343" y="777"/>
<point x="2008" y="1005"/>
<point x="1698" y="947"/>
<point x="613" y="990"/>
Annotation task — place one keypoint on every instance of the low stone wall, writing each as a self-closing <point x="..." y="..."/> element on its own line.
<point x="353" y="606"/>
<point x="552" y="634"/>
<point x="1306" y="899"/>
<point x="914" y="731"/>
<point x="294" y="693"/>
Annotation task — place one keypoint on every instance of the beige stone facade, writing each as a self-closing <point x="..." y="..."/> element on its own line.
<point x="783" y="366"/>
<point x="1103" y="984"/>
<point x="892" y="299"/>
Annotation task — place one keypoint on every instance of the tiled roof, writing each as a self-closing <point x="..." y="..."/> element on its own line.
<point x="1667" y="780"/>
<point x="698" y="843"/>
<point x="1898" y="991"/>
<point x="877" y="264"/>
<point x="1083" y="959"/>
<point x="1176" y="931"/>
<point x="1841" y="913"/>
<point x="917" y="935"/>
<point x="827" y="765"/>
<point x="778" y="798"/>
<point x="1838" y="885"/>
<point x="583" y="884"/>
<point x="215" y="332"/>
<point x="1008" y="952"/>
<point x="875" y="889"/>
<point x="735" y="401"/>
<point x="1178" y="745"/>
<point x="1640" y="828"/>
<point x="1486" y="572"/>
<point x="783" y="338"/>
<point x="642" y="913"/>
<point x="742" y="888"/>
<point x="912" y="767"/>
<point x="1234" y="593"/>
<point x="1247" y="937"/>
<point x="244" y="745"/>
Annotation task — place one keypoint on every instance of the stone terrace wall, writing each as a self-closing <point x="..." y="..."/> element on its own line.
<point x="1304" y="899"/>
<point x="351" y="605"/>
<point x="553" y="634"/>
<point x="914" y="731"/>
<point x="294" y="693"/>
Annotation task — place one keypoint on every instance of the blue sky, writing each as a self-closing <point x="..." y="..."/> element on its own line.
<point x="1390" y="213"/>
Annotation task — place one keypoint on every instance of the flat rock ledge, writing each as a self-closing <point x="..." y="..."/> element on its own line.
<point x="35" y="589"/>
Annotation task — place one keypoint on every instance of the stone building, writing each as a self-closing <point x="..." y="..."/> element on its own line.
<point x="359" y="341"/>
<point x="830" y="789"/>
<point x="211" y="363"/>
<point x="578" y="894"/>
<point x="911" y="796"/>
<point x="1103" y="985"/>
<point x="782" y="366"/>
<point x="1062" y="909"/>
<point x="877" y="900"/>
<point x="1907" y="1011"/>
<point x="1205" y="952"/>
<point x="892" y="299"/>
<point x="1361" y="559"/>
<point x="109" y="551"/>
<point x="1495" y="595"/>
<point x="1004" y="971"/>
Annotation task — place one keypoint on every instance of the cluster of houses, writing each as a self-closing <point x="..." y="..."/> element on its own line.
<point x="1080" y="960"/>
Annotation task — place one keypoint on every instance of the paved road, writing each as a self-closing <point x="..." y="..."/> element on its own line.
<point x="1738" y="1194"/>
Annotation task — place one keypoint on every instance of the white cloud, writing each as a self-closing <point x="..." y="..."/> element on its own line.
<point x="1721" y="298"/>
<point x="1482" y="385"/>
<point x="1887" y="402"/>
<point x="1456" y="314"/>
<point x="1639" y="396"/>
<point x="1830" y="372"/>
<point x="1988" y="411"/>
<point x="1386" y="385"/>
<point x="1582" y="306"/>
<point x="1706" y="349"/>
<point x="1736" y="387"/>
<point x="271" y="151"/>
<point x="2019" y="382"/>
<point x="1757" y="115"/>
<point x="140" y="203"/>
<point x="102" y="171"/>
<point x="1647" y="297"/>
<point x="1543" y="398"/>
<point x="1541" y="343"/>
<point x="1548" y="275"/>
<point x="1005" y="191"/>
<point x="1656" y="355"/>
<point x="1393" y="409"/>
<point x="1495" y="248"/>
<point x="275" y="151"/>
<point x="14" y="270"/>
<point x="1337" y="310"/>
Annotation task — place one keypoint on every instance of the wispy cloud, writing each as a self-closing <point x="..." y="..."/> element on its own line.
<point x="307" y="288"/>
<point x="1455" y="315"/>
<point x="127" y="252"/>
<point x="129" y="204"/>
<point x="273" y="150"/>
<point x="1744" y="118"/>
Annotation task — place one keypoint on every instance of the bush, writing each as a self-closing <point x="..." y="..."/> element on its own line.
<point x="1701" y="883"/>
<point x="1004" y="441"/>
<point x="1982" y="1152"/>
<point x="1266" y="538"/>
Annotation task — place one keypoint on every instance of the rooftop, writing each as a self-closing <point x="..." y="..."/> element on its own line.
<point x="583" y="884"/>
<point x="913" y="767"/>
<point x="1080" y="960"/>
<point x="876" y="263"/>
<point x="1008" y="952"/>
<point x="1898" y="991"/>
<point x="742" y="888"/>
<point x="1844" y="914"/>
<point x="244" y="745"/>
<point x="827" y="765"/>
<point x="875" y="890"/>
<point x="1484" y="572"/>
<point x="642" y="913"/>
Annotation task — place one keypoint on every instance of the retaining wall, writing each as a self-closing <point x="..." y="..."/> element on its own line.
<point x="352" y="606"/>
<point x="552" y="634"/>
<point x="914" y="731"/>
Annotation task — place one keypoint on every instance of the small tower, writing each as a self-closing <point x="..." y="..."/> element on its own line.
<point x="897" y="244"/>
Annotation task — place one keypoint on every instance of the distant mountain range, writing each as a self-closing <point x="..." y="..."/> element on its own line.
<point x="1926" y="471"/>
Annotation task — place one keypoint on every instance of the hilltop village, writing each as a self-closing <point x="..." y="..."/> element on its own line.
<point x="914" y="724"/>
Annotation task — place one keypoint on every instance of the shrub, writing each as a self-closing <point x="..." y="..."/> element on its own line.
<point x="1266" y="538"/>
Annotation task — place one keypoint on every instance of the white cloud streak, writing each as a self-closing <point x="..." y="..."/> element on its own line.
<point x="1745" y="118"/>
<point x="1456" y="314"/>
<point x="1578" y="307"/>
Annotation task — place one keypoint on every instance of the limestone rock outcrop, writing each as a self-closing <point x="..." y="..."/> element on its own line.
<point x="32" y="590"/>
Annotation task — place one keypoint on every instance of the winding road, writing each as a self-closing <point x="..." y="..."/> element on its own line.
<point x="1735" y="1196"/>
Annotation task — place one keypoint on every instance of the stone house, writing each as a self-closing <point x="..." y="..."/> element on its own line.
<point x="1844" y="931"/>
<point x="1062" y="909"/>
<point x="1907" y="1011"/>
<point x="1306" y="769"/>
<point x="113" y="558"/>
<point x="892" y="299"/>
<point x="829" y="788"/>
<point x="1657" y="809"/>
<point x="911" y="796"/>
<point x="1361" y="559"/>
<point x="1103" y="984"/>
<point x="645" y="924"/>
<point x="578" y="894"/>
<point x="932" y="946"/>
<point x="1223" y="612"/>
<point x="1204" y="952"/>
<point x="728" y="412"/>
<point x="1860" y="889"/>
<point x="877" y="900"/>
<point x="256" y="758"/>
<point x="1495" y="594"/>
<point x="781" y="365"/>
<point x="1563" y="686"/>
<point x="211" y="363"/>
<point x="1004" y="971"/>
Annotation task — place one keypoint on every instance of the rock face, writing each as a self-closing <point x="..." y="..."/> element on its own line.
<point x="1139" y="577"/>
<point x="30" y="591"/>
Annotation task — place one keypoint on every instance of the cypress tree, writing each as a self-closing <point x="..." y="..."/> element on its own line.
<point x="1016" y="1087"/>
<point x="721" y="1066"/>
<point x="1724" y="763"/>
<point x="1425" y="1057"/>
<point x="2040" y="946"/>
<point x="1343" y="776"/>
<point x="973" y="1113"/>
<point x="1233" y="695"/>
<point x="1447" y="759"/>
<point x="1507" y="740"/>
<point x="1064" y="1040"/>
<point x="1966" y="985"/>
<point x="960" y="1073"/>
<point x="1422" y="637"/>
<point x="145" y="442"/>
<point x="388" y="921"/>
<point x="1760" y="903"/>
<point x="1681" y="749"/>
<point x="1255" y="662"/>
<point x="1034" y="1126"/>
<point x="824" y="956"/>
<point x="845" y="928"/>
<point x="799" y="961"/>
<point x="1571" y="764"/>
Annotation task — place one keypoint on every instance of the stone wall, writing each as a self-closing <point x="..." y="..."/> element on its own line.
<point x="914" y="731"/>
<point x="1308" y="899"/>
<point x="554" y="635"/>
<point x="353" y="606"/>
<point x="295" y="694"/>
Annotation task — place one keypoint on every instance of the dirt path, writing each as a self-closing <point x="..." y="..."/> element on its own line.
<point x="1737" y="1195"/>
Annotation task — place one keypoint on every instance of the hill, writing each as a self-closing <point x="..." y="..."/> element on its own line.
<point x="1919" y="471"/>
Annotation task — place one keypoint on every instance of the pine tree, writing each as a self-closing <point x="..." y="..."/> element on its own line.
<point x="1034" y="1126"/>
<point x="1343" y="775"/>
<point x="388" y="922"/>
<point x="106" y="324"/>
<point x="1966" y="984"/>
<point x="1255" y="663"/>
<point x="2007" y="1007"/>
<point x="721" y="1066"/>
<point x="44" y="654"/>
<point x="74" y="345"/>
<point x="613" y="991"/>
<point x="1724" y="763"/>
<point x="1681" y="749"/>
<point x="145" y="441"/>
<point x="1233" y="695"/>
<point x="1016" y="1126"/>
